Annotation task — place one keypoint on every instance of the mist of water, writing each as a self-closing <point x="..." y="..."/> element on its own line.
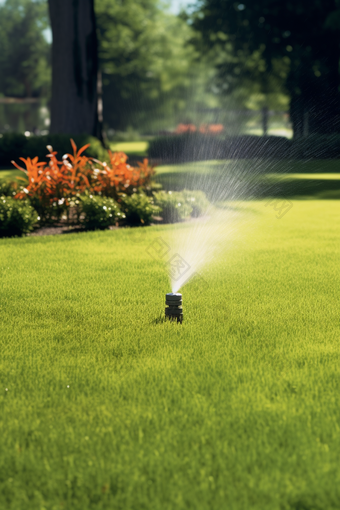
<point x="226" y="183"/>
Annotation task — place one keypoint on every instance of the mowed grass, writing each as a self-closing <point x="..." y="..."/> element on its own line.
<point x="103" y="405"/>
<point x="10" y="175"/>
<point x="139" y="148"/>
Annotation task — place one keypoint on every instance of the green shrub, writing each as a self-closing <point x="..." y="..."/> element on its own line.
<point x="14" y="145"/>
<point x="16" y="217"/>
<point x="174" y="206"/>
<point x="184" y="147"/>
<point x="317" y="147"/>
<point x="199" y="147"/>
<point x="197" y="200"/>
<point x="7" y="189"/>
<point x="99" y="212"/>
<point x="139" y="209"/>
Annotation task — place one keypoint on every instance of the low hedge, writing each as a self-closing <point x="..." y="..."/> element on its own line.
<point x="95" y="212"/>
<point x="99" y="213"/>
<point x="199" y="147"/>
<point x="173" y="205"/>
<point x="317" y="147"/>
<point x="7" y="189"/>
<point x="185" y="147"/>
<point x="197" y="201"/>
<point x="15" y="145"/>
<point x="139" y="209"/>
<point x="17" y="217"/>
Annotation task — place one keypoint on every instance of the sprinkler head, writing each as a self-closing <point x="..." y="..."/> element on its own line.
<point x="174" y="310"/>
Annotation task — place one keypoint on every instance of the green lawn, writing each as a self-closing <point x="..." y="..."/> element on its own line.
<point x="103" y="405"/>
<point x="131" y="148"/>
<point x="10" y="174"/>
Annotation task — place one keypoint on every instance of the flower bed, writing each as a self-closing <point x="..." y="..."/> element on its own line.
<point x="82" y="191"/>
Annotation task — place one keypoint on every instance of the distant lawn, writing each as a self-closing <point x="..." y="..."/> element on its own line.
<point x="10" y="175"/>
<point x="255" y="178"/>
<point x="104" y="406"/>
<point x="131" y="148"/>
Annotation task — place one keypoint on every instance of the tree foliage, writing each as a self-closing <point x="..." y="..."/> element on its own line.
<point x="154" y="74"/>
<point x="299" y="38"/>
<point x="25" y="53"/>
<point x="150" y="67"/>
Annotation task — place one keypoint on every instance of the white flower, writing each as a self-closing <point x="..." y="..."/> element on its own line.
<point x="26" y="190"/>
<point x="104" y="207"/>
<point x="49" y="148"/>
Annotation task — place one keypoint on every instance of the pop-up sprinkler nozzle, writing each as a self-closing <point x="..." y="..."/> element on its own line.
<point x="174" y="310"/>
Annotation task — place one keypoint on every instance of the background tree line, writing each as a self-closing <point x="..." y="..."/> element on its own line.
<point x="150" y="68"/>
<point x="155" y="65"/>
<point x="292" y="45"/>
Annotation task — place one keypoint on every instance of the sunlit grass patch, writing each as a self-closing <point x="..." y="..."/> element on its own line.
<point x="133" y="148"/>
<point x="10" y="175"/>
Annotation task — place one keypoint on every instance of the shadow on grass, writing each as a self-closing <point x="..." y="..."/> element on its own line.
<point x="303" y="189"/>
<point x="230" y="184"/>
<point x="160" y="319"/>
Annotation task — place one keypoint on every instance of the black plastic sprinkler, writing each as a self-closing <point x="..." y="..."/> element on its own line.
<point x="174" y="310"/>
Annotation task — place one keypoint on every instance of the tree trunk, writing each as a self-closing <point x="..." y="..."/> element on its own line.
<point x="265" y="115"/>
<point x="296" y="115"/>
<point x="74" y="67"/>
<point x="324" y="116"/>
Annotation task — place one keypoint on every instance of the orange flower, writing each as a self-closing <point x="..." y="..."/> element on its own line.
<point x="76" y="173"/>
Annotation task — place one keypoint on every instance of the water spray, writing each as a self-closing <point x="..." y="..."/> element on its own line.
<point x="174" y="310"/>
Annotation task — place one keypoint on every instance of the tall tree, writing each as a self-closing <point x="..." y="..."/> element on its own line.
<point x="74" y="105"/>
<point x="304" y="32"/>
